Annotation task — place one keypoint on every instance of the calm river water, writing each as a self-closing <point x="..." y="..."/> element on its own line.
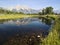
<point x="22" y="27"/>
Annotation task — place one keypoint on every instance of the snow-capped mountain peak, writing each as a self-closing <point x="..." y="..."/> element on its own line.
<point x="22" y="7"/>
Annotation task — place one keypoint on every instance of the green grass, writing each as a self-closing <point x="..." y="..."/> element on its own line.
<point x="53" y="37"/>
<point x="14" y="16"/>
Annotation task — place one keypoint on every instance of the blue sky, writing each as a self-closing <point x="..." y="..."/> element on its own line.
<point x="35" y="4"/>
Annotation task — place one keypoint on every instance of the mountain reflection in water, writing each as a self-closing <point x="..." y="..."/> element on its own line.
<point x="22" y="28"/>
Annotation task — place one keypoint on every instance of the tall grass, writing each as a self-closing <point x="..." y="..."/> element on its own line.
<point x="53" y="37"/>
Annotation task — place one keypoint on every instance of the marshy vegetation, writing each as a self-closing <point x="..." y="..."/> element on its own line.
<point x="54" y="36"/>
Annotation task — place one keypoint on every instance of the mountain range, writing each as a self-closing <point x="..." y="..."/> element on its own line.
<point x="24" y="9"/>
<point x="28" y="10"/>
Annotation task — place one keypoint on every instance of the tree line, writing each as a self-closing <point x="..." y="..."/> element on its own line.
<point x="48" y="10"/>
<point x="4" y="11"/>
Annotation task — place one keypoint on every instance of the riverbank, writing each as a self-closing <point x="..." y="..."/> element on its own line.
<point x="53" y="37"/>
<point x="15" y="16"/>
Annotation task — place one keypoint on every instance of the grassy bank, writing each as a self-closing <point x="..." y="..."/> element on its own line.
<point x="54" y="36"/>
<point x="15" y="16"/>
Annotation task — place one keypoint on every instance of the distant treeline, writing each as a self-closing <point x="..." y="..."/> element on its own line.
<point x="5" y="11"/>
<point x="48" y="10"/>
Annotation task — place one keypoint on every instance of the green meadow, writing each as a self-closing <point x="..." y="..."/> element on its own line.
<point x="15" y="16"/>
